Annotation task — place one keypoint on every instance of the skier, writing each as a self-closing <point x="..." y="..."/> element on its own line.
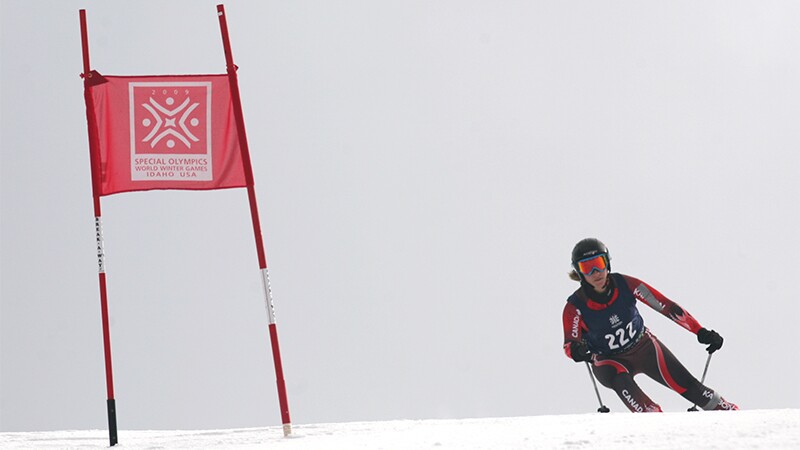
<point x="603" y="326"/>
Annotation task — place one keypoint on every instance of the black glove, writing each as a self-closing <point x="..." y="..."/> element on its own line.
<point x="579" y="351"/>
<point x="709" y="337"/>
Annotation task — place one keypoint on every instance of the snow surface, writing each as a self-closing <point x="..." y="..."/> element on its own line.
<point x="769" y="429"/>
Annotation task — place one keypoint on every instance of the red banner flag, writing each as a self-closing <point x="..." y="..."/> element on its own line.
<point x="164" y="132"/>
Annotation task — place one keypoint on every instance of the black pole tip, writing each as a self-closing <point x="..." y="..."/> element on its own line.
<point x="112" y="422"/>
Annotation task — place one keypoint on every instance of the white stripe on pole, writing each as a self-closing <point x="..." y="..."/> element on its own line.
<point x="98" y="229"/>
<point x="268" y="295"/>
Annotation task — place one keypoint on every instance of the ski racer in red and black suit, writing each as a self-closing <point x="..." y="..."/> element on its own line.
<point x="602" y="324"/>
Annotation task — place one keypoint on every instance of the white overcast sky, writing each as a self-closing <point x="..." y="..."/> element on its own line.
<point x="423" y="169"/>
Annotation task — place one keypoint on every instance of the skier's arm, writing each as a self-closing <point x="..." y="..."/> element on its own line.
<point x="658" y="301"/>
<point x="572" y="327"/>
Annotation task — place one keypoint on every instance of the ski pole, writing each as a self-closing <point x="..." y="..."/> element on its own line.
<point x="702" y="380"/>
<point x="603" y="408"/>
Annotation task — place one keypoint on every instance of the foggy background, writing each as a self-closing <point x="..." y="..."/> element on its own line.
<point x="423" y="170"/>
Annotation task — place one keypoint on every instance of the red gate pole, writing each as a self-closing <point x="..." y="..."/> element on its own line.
<point x="93" y="156"/>
<point x="251" y="193"/>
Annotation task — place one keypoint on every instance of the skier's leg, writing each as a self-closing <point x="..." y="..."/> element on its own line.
<point x="614" y="375"/>
<point x="669" y="371"/>
<point x="632" y="395"/>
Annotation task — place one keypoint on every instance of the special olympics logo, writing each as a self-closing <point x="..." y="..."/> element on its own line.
<point x="170" y="118"/>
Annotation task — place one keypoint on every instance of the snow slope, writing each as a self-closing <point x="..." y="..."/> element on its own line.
<point x="769" y="429"/>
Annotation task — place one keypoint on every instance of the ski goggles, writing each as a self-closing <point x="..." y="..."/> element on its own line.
<point x="589" y="265"/>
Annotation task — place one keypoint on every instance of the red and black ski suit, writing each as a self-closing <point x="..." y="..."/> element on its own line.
<point x="622" y="346"/>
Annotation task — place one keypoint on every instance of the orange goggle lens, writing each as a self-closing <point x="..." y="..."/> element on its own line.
<point x="589" y="265"/>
